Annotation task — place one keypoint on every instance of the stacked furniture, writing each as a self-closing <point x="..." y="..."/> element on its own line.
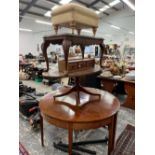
<point x="77" y="107"/>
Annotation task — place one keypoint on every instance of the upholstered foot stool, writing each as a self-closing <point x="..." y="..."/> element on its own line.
<point x="74" y="16"/>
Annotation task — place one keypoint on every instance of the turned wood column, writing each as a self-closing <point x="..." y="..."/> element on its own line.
<point x="94" y="30"/>
<point x="66" y="45"/>
<point x="56" y="29"/>
<point x="72" y="25"/>
<point x="44" y="47"/>
<point x="78" y="31"/>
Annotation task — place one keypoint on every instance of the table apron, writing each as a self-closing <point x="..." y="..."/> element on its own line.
<point x="78" y="125"/>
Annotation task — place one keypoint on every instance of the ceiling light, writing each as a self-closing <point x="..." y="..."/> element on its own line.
<point x="87" y="31"/>
<point x="104" y="8"/>
<point x="115" y="27"/>
<point x="23" y="29"/>
<point x="48" y="14"/>
<point x="129" y="4"/>
<point x="43" y="22"/>
<point x="114" y="2"/>
<point x="110" y="5"/>
<point x="65" y="1"/>
<point x="131" y="33"/>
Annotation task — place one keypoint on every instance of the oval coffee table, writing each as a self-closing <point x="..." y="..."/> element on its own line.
<point x="93" y="114"/>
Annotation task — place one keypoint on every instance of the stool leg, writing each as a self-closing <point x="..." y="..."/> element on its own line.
<point x="94" y="30"/>
<point x="70" y="140"/>
<point x="56" y="29"/>
<point x="72" y="30"/>
<point x="42" y="130"/>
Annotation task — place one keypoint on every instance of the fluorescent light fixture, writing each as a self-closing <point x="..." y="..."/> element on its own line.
<point x="104" y="8"/>
<point x="114" y="2"/>
<point x="98" y="12"/>
<point x="65" y="1"/>
<point x="115" y="27"/>
<point x="87" y="31"/>
<point x="110" y="5"/>
<point x="129" y="4"/>
<point x="23" y="29"/>
<point x="131" y="33"/>
<point x="43" y="22"/>
<point x="48" y="14"/>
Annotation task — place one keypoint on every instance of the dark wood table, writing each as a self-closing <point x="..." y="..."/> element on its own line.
<point x="67" y="40"/>
<point x="129" y="86"/>
<point x="94" y="114"/>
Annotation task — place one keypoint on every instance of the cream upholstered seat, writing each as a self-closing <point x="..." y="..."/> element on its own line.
<point x="74" y="16"/>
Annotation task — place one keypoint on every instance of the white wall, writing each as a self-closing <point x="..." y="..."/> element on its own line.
<point x="27" y="43"/>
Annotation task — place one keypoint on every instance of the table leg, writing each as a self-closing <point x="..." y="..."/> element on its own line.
<point x="42" y="130"/>
<point x="70" y="140"/>
<point x="112" y="132"/>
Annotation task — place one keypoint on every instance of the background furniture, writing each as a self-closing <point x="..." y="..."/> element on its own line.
<point x="128" y="87"/>
<point x="93" y="115"/>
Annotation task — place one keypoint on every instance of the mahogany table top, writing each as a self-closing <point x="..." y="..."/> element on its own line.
<point x="93" y="111"/>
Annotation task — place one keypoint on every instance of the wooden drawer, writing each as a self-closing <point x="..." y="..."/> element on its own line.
<point x="72" y="66"/>
<point x="79" y="65"/>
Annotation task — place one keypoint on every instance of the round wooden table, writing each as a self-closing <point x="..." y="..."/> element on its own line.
<point x="93" y="114"/>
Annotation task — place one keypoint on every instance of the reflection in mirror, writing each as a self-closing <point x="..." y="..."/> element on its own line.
<point x="75" y="52"/>
<point x="92" y="51"/>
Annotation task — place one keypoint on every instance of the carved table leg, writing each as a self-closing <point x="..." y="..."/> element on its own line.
<point x="44" y="47"/>
<point x="70" y="140"/>
<point x="42" y="130"/>
<point x="112" y="132"/>
<point x="56" y="29"/>
<point x="66" y="45"/>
